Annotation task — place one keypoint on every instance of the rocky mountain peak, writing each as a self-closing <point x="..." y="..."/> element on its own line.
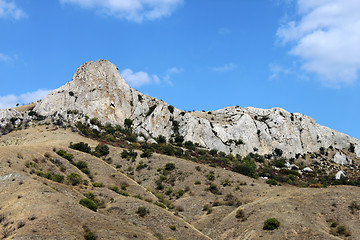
<point x="98" y="91"/>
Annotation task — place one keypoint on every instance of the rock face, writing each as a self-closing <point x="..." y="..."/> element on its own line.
<point x="98" y="90"/>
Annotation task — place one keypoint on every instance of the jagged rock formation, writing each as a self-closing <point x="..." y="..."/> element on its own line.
<point x="98" y="90"/>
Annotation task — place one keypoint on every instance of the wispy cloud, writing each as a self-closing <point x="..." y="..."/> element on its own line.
<point x="170" y="72"/>
<point x="326" y="38"/>
<point x="29" y="97"/>
<point x="4" y="58"/>
<point x="223" y="31"/>
<point x="132" y="10"/>
<point x="138" y="79"/>
<point x="8" y="9"/>
<point x="277" y="70"/>
<point x="224" y="68"/>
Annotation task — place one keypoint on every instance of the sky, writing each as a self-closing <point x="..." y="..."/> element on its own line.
<point x="300" y="55"/>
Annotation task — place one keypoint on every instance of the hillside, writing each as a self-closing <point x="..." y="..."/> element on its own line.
<point x="35" y="206"/>
<point x="96" y="159"/>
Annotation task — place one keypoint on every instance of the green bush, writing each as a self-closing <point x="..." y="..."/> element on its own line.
<point x="172" y="227"/>
<point x="161" y="139"/>
<point x="101" y="150"/>
<point x="81" y="165"/>
<point x="98" y="184"/>
<point x="58" y="178"/>
<point x="271" y="224"/>
<point x="147" y="153"/>
<point x="74" y="178"/>
<point x="271" y="182"/>
<point x="89" y="204"/>
<point x="247" y="167"/>
<point x="213" y="188"/>
<point x="169" y="166"/>
<point x="95" y="121"/>
<point x="240" y="213"/>
<point x="142" y="211"/>
<point x="65" y="155"/>
<point x="180" y="193"/>
<point x="280" y="162"/>
<point x="90" y="236"/>
<point x="81" y="146"/>
<point x="128" y="122"/>
<point x="171" y="108"/>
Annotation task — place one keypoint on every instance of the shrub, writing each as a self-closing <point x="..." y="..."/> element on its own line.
<point x="352" y="148"/>
<point x="271" y="182"/>
<point x="95" y="121"/>
<point x="341" y="230"/>
<point x="240" y="213"/>
<point x="67" y="156"/>
<point x="146" y="153"/>
<point x="81" y="146"/>
<point x="180" y="193"/>
<point x="172" y="227"/>
<point x="58" y="178"/>
<point x="278" y="152"/>
<point x="271" y="224"/>
<point x="161" y="139"/>
<point x="247" y="167"/>
<point x="167" y="150"/>
<point x="90" y="236"/>
<point x="189" y="145"/>
<point x="81" y="165"/>
<point x="169" y="166"/>
<point x="74" y="179"/>
<point x="213" y="188"/>
<point x="226" y="182"/>
<point x="171" y="108"/>
<point x="211" y="176"/>
<point x="101" y="150"/>
<point x="98" y="184"/>
<point x="88" y="203"/>
<point x="128" y="122"/>
<point x="142" y="211"/>
<point x="280" y="162"/>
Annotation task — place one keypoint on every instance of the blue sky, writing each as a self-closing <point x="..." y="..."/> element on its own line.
<point x="300" y="55"/>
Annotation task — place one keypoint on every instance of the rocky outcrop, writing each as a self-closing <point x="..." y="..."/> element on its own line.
<point x="98" y="90"/>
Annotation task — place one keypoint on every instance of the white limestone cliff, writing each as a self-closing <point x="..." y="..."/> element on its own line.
<point x="98" y="90"/>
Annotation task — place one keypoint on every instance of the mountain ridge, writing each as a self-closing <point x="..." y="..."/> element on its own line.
<point x="98" y="91"/>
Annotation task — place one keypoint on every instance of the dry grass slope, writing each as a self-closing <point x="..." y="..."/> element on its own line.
<point x="192" y="201"/>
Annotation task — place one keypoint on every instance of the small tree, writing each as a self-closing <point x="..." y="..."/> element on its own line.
<point x="88" y="203"/>
<point x="128" y="122"/>
<point x="74" y="179"/>
<point x="271" y="224"/>
<point x="169" y="166"/>
<point x="101" y="150"/>
<point x="142" y="211"/>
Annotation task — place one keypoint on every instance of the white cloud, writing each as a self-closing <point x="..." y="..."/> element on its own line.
<point x="29" y="97"/>
<point x="139" y="79"/>
<point x="223" y="31"/>
<point x="326" y="38"/>
<point x="170" y="72"/>
<point x="175" y="70"/>
<point x="8" y="9"/>
<point x="277" y="70"/>
<point x="132" y="10"/>
<point x="224" y="68"/>
<point x="4" y="58"/>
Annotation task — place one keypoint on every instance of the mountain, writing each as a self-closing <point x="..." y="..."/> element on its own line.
<point x="96" y="159"/>
<point x="98" y="91"/>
